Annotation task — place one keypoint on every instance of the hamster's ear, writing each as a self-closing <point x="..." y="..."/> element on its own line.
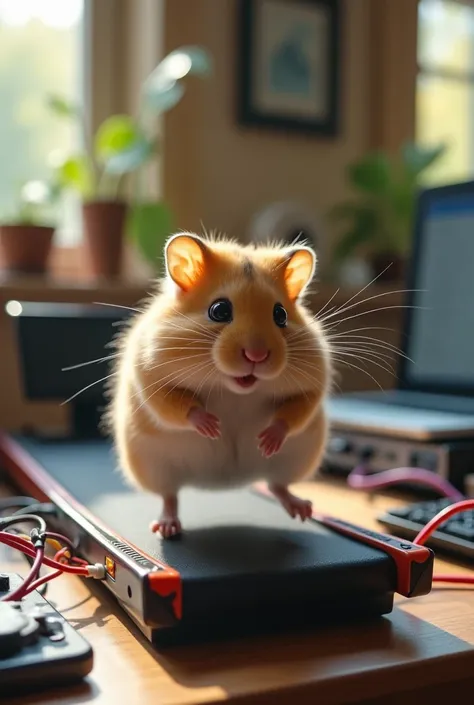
<point x="299" y="271"/>
<point x="185" y="256"/>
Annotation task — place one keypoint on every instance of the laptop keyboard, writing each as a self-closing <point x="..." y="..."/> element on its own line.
<point x="455" y="536"/>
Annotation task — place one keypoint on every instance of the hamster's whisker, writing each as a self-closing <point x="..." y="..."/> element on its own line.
<point x="361" y="330"/>
<point x="374" y="342"/>
<point x="366" y="286"/>
<point x="293" y="377"/>
<point x="185" y="339"/>
<point x="195" y="323"/>
<point x="89" y="362"/>
<point x="126" y="308"/>
<point x="162" y="378"/>
<point x="194" y="331"/>
<point x="360" y="369"/>
<point x="327" y="303"/>
<point x="171" y="379"/>
<point x="374" y="349"/>
<point x="364" y="358"/>
<point x="203" y="382"/>
<point x="181" y="381"/>
<point x="373" y="310"/>
<point x="84" y="389"/>
<point x="306" y="373"/>
<point x="183" y="348"/>
<point x="344" y="308"/>
<point x="376" y="354"/>
<point x="362" y="344"/>
<point x="177" y="359"/>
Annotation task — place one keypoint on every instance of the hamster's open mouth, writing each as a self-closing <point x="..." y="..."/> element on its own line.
<point x="247" y="381"/>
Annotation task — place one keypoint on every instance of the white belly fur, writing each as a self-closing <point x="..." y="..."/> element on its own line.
<point x="165" y="462"/>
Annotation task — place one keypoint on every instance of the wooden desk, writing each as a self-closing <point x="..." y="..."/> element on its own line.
<point x="331" y="666"/>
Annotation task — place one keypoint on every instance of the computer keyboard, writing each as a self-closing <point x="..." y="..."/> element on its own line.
<point x="455" y="536"/>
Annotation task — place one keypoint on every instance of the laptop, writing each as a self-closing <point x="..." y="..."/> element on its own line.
<point x="434" y="396"/>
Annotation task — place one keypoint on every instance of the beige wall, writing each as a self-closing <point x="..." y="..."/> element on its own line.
<point x="221" y="173"/>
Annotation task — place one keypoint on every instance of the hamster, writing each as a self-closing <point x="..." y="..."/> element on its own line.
<point x="221" y="380"/>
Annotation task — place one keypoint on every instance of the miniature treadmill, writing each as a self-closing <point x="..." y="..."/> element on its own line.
<point x="242" y="564"/>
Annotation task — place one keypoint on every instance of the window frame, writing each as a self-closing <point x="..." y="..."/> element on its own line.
<point x="446" y="73"/>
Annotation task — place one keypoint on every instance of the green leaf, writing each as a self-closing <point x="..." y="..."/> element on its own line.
<point x="343" y="211"/>
<point x="130" y="159"/>
<point x="75" y="173"/>
<point x="184" y="61"/>
<point x="416" y="158"/>
<point x="149" y="225"/>
<point x="61" y="106"/>
<point x="363" y="230"/>
<point x="371" y="174"/>
<point x="162" y="89"/>
<point x="115" y="135"/>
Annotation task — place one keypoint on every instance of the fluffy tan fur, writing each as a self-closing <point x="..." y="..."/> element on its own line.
<point x="179" y="413"/>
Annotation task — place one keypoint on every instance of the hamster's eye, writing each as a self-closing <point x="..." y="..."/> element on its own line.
<point x="280" y="315"/>
<point x="221" y="311"/>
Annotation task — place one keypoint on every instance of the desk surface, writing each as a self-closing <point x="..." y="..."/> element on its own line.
<point x="268" y="670"/>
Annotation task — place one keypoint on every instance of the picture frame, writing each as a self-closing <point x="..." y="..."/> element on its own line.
<point x="289" y="65"/>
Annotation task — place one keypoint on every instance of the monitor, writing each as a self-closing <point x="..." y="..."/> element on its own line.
<point x="439" y="332"/>
<point x="55" y="336"/>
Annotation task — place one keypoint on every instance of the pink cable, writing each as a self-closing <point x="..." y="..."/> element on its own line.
<point x="359" y="479"/>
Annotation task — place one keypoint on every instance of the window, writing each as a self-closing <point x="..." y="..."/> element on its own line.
<point x="445" y="86"/>
<point x="41" y="52"/>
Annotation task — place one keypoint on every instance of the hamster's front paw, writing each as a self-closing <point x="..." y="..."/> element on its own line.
<point x="272" y="438"/>
<point x="205" y="423"/>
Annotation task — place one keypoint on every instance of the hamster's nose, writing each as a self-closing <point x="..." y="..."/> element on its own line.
<point x="256" y="354"/>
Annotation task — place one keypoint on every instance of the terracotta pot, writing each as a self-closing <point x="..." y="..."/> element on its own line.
<point x="25" y="248"/>
<point x="393" y="264"/>
<point x="104" y="223"/>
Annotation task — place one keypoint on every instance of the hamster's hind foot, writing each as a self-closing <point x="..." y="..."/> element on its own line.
<point x="295" y="506"/>
<point x="168" y="525"/>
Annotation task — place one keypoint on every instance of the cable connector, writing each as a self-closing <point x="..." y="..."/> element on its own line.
<point x="96" y="571"/>
<point x="37" y="538"/>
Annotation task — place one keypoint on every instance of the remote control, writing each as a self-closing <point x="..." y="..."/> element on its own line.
<point x="38" y="647"/>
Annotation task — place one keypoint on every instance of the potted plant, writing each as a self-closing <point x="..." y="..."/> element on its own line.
<point x="378" y="222"/>
<point x="26" y="237"/>
<point x="124" y="146"/>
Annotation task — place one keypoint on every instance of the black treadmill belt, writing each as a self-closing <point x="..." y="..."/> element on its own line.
<point x="226" y="533"/>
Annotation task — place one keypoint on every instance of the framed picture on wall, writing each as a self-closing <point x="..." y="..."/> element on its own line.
<point x="289" y="64"/>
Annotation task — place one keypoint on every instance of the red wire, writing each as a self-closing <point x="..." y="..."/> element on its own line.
<point x="34" y="570"/>
<point x="441" y="517"/>
<point x="50" y="576"/>
<point x="461" y="579"/>
<point x="26" y="547"/>
<point x="431" y="527"/>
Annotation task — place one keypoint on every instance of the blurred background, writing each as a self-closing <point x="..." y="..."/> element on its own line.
<point x="123" y="121"/>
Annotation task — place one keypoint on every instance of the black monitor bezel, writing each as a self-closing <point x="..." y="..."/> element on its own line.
<point x="432" y="386"/>
<point x="58" y="310"/>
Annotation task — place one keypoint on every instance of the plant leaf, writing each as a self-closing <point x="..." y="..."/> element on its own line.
<point x="76" y="174"/>
<point x="417" y="158"/>
<point x="149" y="225"/>
<point x="61" y="106"/>
<point x="362" y="231"/>
<point x="115" y="134"/>
<point x="371" y="173"/>
<point x="162" y="89"/>
<point x="130" y="159"/>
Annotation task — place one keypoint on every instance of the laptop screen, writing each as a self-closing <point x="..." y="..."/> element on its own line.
<point x="441" y="324"/>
